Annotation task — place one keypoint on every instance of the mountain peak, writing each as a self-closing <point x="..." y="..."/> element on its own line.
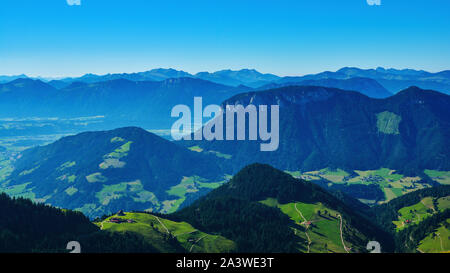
<point x="25" y="80"/>
<point x="131" y="160"/>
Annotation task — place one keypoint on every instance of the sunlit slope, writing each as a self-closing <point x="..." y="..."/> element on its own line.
<point x="165" y="234"/>
<point x="319" y="226"/>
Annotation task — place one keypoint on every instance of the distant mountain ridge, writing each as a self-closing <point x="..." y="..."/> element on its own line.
<point x="247" y="77"/>
<point x="366" y="86"/>
<point x="392" y="79"/>
<point x="123" y="102"/>
<point x="5" y="79"/>
<point x="326" y="127"/>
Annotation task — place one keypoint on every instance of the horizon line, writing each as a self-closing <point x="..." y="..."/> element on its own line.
<point x="211" y="72"/>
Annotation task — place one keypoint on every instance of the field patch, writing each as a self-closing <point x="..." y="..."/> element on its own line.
<point x="6" y="169"/>
<point x="442" y="177"/>
<point x="388" y="123"/>
<point x="197" y="149"/>
<point x="443" y="203"/>
<point x="66" y="165"/>
<point x="133" y="189"/>
<point x="27" y="172"/>
<point x="117" y="139"/>
<point x="20" y="190"/>
<point x="112" y="163"/>
<point x="96" y="177"/>
<point x="188" y="185"/>
<point x="71" y="191"/>
<point x="120" y="152"/>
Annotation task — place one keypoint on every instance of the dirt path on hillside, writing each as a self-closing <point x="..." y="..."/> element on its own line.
<point x="167" y="230"/>
<point x="440" y="239"/>
<point x="342" y="237"/>
<point x="299" y="212"/>
<point x="190" y="250"/>
<point x="305" y="223"/>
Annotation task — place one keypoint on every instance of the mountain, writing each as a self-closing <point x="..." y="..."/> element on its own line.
<point x="123" y="102"/>
<point x="247" y="77"/>
<point x="366" y="86"/>
<point x="27" y="227"/>
<point x="5" y="79"/>
<point x="102" y="172"/>
<point x="24" y="97"/>
<point x="393" y="80"/>
<point x="326" y="127"/>
<point x="158" y="74"/>
<point x="266" y="210"/>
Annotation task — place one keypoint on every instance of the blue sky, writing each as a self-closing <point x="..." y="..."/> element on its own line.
<point x="52" y="38"/>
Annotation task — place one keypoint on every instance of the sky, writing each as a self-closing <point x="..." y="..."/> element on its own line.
<point x="57" y="38"/>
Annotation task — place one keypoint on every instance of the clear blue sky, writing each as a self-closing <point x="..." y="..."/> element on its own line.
<point x="52" y="38"/>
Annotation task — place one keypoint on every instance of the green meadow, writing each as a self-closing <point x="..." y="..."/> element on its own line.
<point x="188" y="185"/>
<point x="442" y="177"/>
<point x="438" y="241"/>
<point x="416" y="213"/>
<point x="156" y="230"/>
<point x="323" y="230"/>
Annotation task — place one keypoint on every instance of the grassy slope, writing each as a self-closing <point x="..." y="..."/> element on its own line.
<point x="191" y="240"/>
<point x="324" y="231"/>
<point x="188" y="185"/>
<point x="5" y="166"/>
<point x="420" y="211"/>
<point x="437" y="241"/>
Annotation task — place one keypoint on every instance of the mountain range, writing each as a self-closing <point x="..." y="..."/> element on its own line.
<point x="366" y="86"/>
<point x="132" y="100"/>
<point x="391" y="79"/>
<point x="123" y="102"/>
<point x="326" y="127"/>
<point x="248" y="77"/>
<point x="130" y="168"/>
